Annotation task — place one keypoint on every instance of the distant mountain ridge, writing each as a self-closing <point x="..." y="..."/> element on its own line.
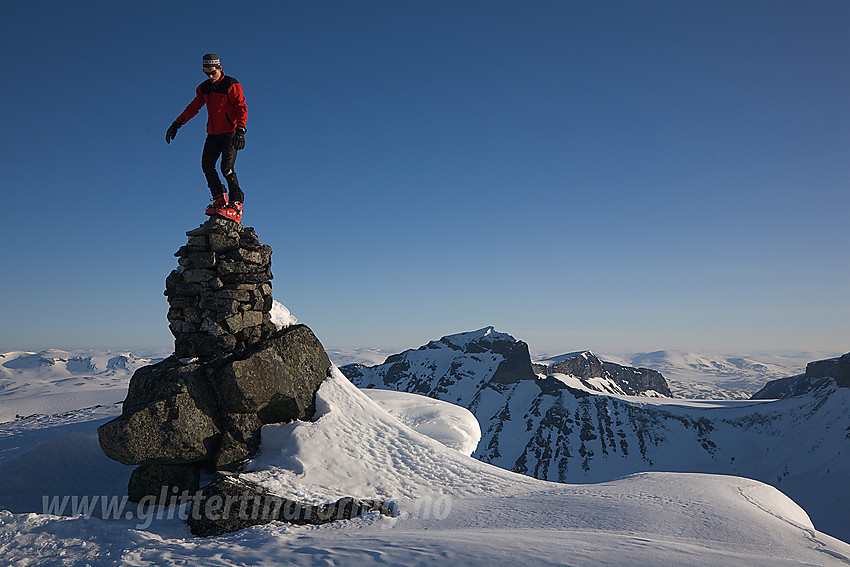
<point x="719" y="376"/>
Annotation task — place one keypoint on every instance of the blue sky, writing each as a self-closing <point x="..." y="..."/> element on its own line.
<point x="613" y="175"/>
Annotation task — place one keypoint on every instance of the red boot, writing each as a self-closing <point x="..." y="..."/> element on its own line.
<point x="233" y="211"/>
<point x="218" y="203"/>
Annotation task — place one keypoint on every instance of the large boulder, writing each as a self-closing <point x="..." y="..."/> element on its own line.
<point x="170" y="431"/>
<point x="163" y="484"/>
<point x="212" y="412"/>
<point x="277" y="380"/>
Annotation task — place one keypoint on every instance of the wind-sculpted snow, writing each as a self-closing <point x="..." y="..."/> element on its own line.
<point x="375" y="456"/>
<point x="451" y="425"/>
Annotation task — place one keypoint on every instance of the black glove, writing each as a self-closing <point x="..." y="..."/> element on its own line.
<point x="172" y="131"/>
<point x="239" y="138"/>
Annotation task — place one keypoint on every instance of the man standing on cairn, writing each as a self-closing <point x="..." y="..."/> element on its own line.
<point x="226" y="127"/>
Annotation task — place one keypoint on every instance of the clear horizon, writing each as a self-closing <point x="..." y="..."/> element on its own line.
<point x="616" y="176"/>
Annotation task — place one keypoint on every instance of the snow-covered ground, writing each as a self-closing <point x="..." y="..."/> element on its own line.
<point x="454" y="509"/>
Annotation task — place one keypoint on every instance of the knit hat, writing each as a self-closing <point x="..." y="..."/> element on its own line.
<point x="211" y="60"/>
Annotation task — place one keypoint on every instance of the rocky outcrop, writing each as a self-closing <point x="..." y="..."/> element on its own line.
<point x="232" y="371"/>
<point x="230" y="503"/>
<point x="818" y="374"/>
<point x="211" y="412"/>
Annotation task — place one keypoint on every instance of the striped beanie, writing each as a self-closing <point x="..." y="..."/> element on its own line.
<point x="211" y="60"/>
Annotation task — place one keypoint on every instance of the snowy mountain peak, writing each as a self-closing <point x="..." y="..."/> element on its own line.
<point x="487" y="335"/>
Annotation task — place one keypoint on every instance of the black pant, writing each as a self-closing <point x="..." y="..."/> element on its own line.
<point x="220" y="145"/>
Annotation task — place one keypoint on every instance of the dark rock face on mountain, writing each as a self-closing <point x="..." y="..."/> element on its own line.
<point x="817" y="375"/>
<point x="633" y="381"/>
<point x="232" y="371"/>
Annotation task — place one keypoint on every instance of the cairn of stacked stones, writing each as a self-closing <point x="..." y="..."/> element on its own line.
<point x="232" y="372"/>
<point x="220" y="295"/>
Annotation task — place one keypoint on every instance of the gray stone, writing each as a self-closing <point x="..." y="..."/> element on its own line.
<point x="252" y="318"/>
<point x="204" y="259"/>
<point x="169" y="431"/>
<point x="204" y="345"/>
<point x="233" y="294"/>
<point x="222" y="243"/>
<point x="234" y="323"/>
<point x="255" y="278"/>
<point x="163" y="484"/>
<point x="214" y="303"/>
<point x="234" y="267"/>
<point x="191" y="289"/>
<point x="165" y="379"/>
<point x="240" y="440"/>
<point x="212" y="328"/>
<point x="277" y="379"/>
<point x="219" y="225"/>
<point x="181" y="326"/>
<point x="197" y="275"/>
<point x="183" y="301"/>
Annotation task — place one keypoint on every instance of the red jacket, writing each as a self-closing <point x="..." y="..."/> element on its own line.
<point x="225" y="106"/>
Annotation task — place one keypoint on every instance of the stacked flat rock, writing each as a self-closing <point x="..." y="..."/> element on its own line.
<point x="220" y="295"/>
